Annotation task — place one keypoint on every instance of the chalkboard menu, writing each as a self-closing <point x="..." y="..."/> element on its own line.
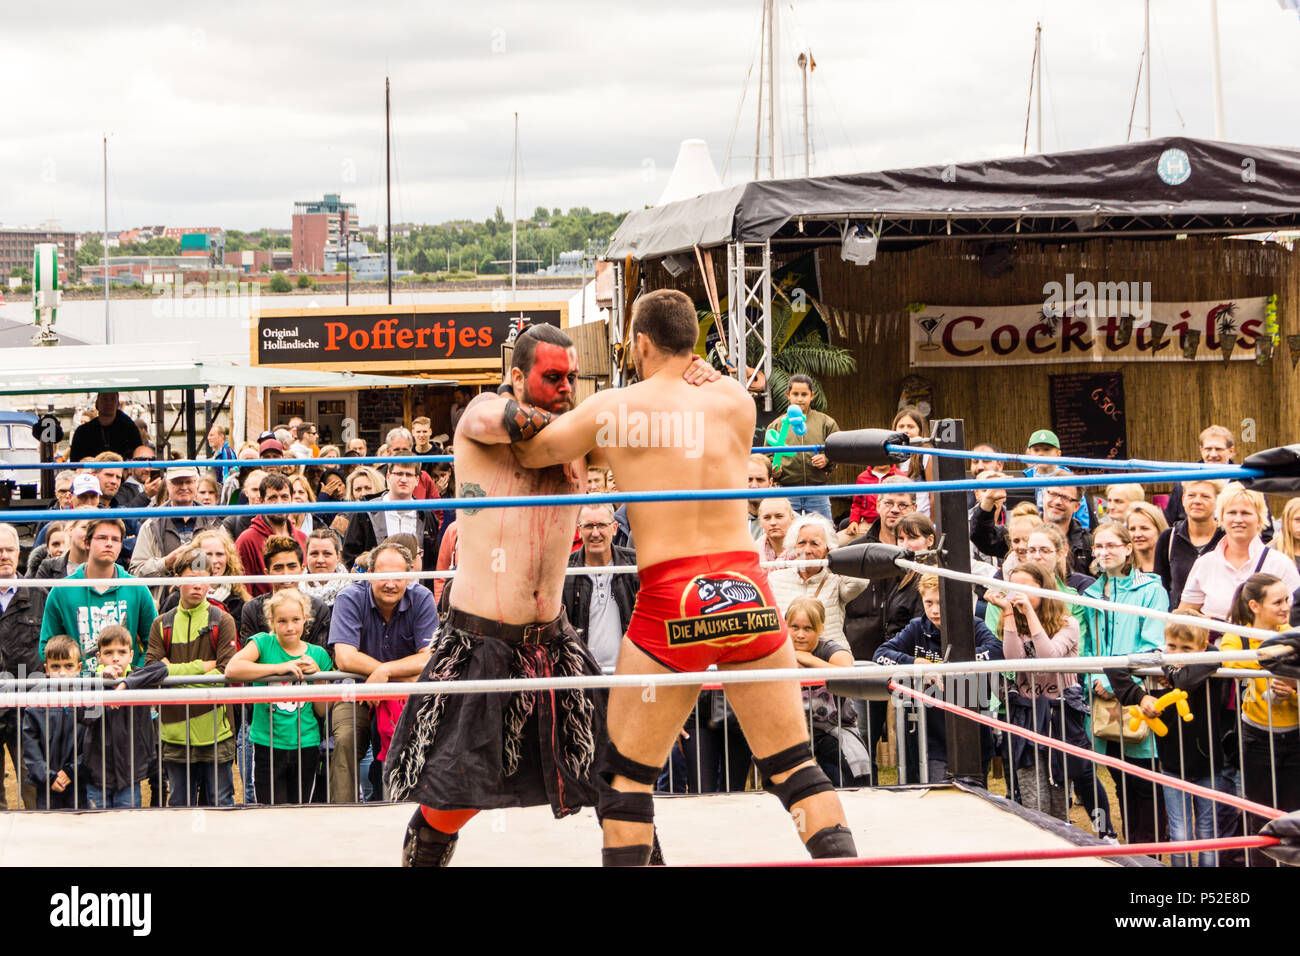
<point x="1088" y="415"/>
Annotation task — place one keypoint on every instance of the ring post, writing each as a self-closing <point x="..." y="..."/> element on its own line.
<point x="955" y="604"/>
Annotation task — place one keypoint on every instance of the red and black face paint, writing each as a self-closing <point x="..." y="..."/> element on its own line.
<point x="550" y="382"/>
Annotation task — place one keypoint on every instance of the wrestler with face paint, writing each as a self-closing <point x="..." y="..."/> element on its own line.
<point x="506" y="619"/>
<point x="550" y="382"/>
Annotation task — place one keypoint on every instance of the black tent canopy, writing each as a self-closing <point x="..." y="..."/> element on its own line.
<point x="1157" y="188"/>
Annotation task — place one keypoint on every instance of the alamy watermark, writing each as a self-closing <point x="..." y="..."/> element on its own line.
<point x="206" y="300"/>
<point x="78" y="909"/>
<point x="1097" y="299"/>
<point x="626" y="428"/>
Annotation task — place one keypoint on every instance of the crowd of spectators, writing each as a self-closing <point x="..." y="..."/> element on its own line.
<point x="1211" y="549"/>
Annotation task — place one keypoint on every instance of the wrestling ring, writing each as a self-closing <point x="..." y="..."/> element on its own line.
<point x="922" y="824"/>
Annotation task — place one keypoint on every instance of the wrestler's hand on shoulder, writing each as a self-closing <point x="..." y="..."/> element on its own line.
<point x="700" y="371"/>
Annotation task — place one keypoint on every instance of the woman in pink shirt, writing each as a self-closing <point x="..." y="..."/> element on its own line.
<point x="1218" y="573"/>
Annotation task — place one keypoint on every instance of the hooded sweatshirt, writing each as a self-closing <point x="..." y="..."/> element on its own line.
<point x="250" y="546"/>
<point x="82" y="612"/>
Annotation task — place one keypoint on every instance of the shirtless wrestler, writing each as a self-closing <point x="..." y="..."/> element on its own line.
<point x="457" y="754"/>
<point x="703" y="599"/>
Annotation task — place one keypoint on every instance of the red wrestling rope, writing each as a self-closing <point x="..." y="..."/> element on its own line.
<point x="1113" y="762"/>
<point x="1051" y="853"/>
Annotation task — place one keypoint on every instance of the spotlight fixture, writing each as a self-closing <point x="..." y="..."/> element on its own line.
<point x="676" y="265"/>
<point x="859" y="247"/>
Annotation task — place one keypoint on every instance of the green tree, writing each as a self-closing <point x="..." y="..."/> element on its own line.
<point x="91" y="252"/>
<point x="807" y="352"/>
<point x="304" y="282"/>
<point x="280" y="283"/>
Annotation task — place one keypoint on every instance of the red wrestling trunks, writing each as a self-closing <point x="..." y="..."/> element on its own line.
<point x="706" y="609"/>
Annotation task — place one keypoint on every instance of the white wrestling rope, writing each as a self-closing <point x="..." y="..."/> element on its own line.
<point x="991" y="584"/>
<point x="311" y="578"/>
<point x="365" y="692"/>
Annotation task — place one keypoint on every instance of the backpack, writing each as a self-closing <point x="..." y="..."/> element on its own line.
<point x="213" y="629"/>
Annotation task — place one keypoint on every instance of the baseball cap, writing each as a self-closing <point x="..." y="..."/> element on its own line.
<point x="176" y="474"/>
<point x="1044" y="437"/>
<point x="270" y="444"/>
<point x="264" y="436"/>
<point x="84" y="484"/>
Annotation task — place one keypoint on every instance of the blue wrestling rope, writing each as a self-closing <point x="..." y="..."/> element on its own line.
<point x="338" y="460"/>
<point x="250" y="463"/>
<point x="1229" y="472"/>
<point x="1111" y="463"/>
<point x="333" y="461"/>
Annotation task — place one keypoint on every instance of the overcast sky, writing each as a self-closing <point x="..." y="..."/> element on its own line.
<point x="225" y="114"/>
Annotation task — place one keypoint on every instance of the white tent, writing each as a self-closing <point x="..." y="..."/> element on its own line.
<point x="693" y="174"/>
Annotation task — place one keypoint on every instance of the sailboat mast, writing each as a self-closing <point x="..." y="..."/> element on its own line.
<point x="771" y="90"/>
<point x="388" y="191"/>
<point x="1218" y="71"/>
<point x="514" y="214"/>
<point x="1039" y="105"/>
<point x="1146" y="62"/>
<point x="762" y="73"/>
<point x="107" y="337"/>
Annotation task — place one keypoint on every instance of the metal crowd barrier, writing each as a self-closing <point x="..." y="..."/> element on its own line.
<point x="710" y="757"/>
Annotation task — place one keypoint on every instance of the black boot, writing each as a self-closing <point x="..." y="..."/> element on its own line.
<point x="425" y="846"/>
<point x="836" y="841"/>
<point x="636" y="855"/>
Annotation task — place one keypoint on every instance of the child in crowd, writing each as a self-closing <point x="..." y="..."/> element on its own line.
<point x="921" y="641"/>
<point x="1049" y="703"/>
<point x="285" y="736"/>
<point x="120" y="741"/>
<point x="1270" y="751"/>
<point x="1191" y="750"/>
<point x="195" y="637"/>
<point x="836" y="743"/>
<point x="56" y="542"/>
<point x="51" y="735"/>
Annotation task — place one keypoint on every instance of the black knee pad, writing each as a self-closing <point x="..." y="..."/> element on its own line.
<point x="800" y="785"/>
<point x="629" y="806"/>
<point x="784" y="760"/>
<point x="613" y="763"/>
<point x="636" y="855"/>
<point x="836" y="841"/>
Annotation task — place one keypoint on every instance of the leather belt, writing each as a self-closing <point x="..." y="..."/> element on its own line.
<point x="512" y="633"/>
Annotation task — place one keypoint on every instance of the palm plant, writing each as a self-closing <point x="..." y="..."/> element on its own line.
<point x="806" y="352"/>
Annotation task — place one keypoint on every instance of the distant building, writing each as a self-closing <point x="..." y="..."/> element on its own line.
<point x="250" y="261"/>
<point x="318" y="224"/>
<point x="178" y="232"/>
<point x="570" y="264"/>
<point x="155" y="270"/>
<point x="210" y="245"/>
<point x="18" y="247"/>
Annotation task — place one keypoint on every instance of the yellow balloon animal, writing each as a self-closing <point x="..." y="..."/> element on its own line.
<point x="1176" y="697"/>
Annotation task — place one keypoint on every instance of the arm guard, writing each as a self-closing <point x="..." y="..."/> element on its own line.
<point x="523" y="422"/>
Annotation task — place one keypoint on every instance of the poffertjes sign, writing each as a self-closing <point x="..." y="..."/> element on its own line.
<point x="396" y="338"/>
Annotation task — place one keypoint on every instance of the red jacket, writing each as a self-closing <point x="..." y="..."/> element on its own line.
<point x="249" y="547"/>
<point x="864" y="506"/>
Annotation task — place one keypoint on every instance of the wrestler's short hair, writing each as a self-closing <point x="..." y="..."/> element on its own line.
<point x="668" y="318"/>
<point x="526" y="344"/>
